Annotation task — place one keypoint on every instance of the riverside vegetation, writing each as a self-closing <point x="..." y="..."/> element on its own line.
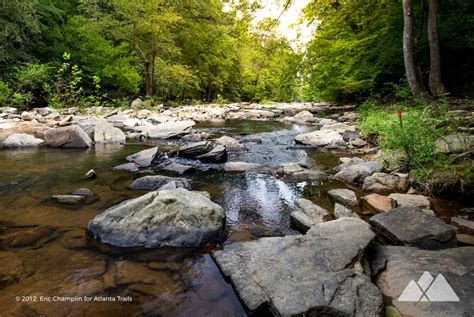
<point x="185" y="156"/>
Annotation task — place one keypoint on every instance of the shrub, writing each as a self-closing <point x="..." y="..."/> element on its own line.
<point x="5" y="93"/>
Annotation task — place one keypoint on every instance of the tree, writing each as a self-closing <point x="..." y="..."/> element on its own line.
<point x="435" y="82"/>
<point x="411" y="65"/>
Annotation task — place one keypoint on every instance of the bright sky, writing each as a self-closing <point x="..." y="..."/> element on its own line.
<point x="289" y="20"/>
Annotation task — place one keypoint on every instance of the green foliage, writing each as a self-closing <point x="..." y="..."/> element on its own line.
<point x="412" y="139"/>
<point x="5" y="93"/>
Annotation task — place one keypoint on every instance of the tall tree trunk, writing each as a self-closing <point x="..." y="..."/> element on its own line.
<point x="148" y="78"/>
<point x="411" y="67"/>
<point x="436" y="85"/>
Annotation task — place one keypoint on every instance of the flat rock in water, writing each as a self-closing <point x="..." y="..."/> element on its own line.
<point x="68" y="137"/>
<point x="317" y="274"/>
<point x="68" y="199"/>
<point x="177" y="168"/>
<point x="358" y="172"/>
<point x="293" y="172"/>
<point x="447" y="274"/>
<point x="241" y="166"/>
<point x="128" y="167"/>
<point x="217" y="155"/>
<point x="338" y="127"/>
<point x="176" y="218"/>
<point x="344" y="197"/>
<point x="321" y="138"/>
<point x="382" y="183"/>
<point x="412" y="227"/>
<point x="169" y="130"/>
<point x="410" y="200"/>
<point x="230" y="143"/>
<point x="17" y="140"/>
<point x="194" y="149"/>
<point x="154" y="182"/>
<point x="306" y="214"/>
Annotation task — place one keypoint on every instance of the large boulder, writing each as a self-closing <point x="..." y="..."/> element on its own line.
<point x="67" y="137"/>
<point x="306" y="214"/>
<point x="346" y="162"/>
<point x="168" y="130"/>
<point x="204" y="151"/>
<point x="320" y="138"/>
<point x="303" y="117"/>
<point x="317" y="274"/>
<point x="433" y="283"/>
<point x="412" y="227"/>
<point x="175" y="218"/>
<point x="16" y="140"/>
<point x="382" y="183"/>
<point x="105" y="132"/>
<point x="217" y="155"/>
<point x="357" y="173"/>
<point x="154" y="182"/>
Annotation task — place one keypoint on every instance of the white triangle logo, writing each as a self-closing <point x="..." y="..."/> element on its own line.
<point x="426" y="290"/>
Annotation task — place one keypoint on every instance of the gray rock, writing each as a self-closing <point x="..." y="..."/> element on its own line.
<point x="454" y="143"/>
<point x="45" y="111"/>
<point x="177" y="218"/>
<point x="137" y="103"/>
<point x="347" y="162"/>
<point x="306" y="214"/>
<point x="412" y="227"/>
<point x="466" y="226"/>
<point x="177" y="168"/>
<point x="67" y="137"/>
<point x="358" y="172"/>
<point x="344" y="197"/>
<point x="153" y="182"/>
<point x="349" y="136"/>
<point x="217" y="155"/>
<point x="105" y="132"/>
<point x="241" y="166"/>
<point x="16" y="140"/>
<point x="395" y="267"/>
<point x="144" y="158"/>
<point x="321" y="138"/>
<point x="293" y="172"/>
<point x="230" y="144"/>
<point x="340" y="128"/>
<point x="195" y="149"/>
<point x="409" y="200"/>
<point x="377" y="202"/>
<point x="317" y="274"/>
<point x="358" y="142"/>
<point x="82" y="192"/>
<point x="303" y="117"/>
<point x="68" y="199"/>
<point x="169" y="130"/>
<point x="382" y="183"/>
<point x="341" y="211"/>
<point x="128" y="167"/>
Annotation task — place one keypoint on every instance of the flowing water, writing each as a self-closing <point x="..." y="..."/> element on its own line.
<point x="44" y="252"/>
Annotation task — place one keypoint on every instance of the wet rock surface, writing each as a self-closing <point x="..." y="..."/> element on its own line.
<point x="412" y="227"/>
<point x="178" y="218"/>
<point x="306" y="214"/>
<point x="305" y="274"/>
<point x="154" y="182"/>
<point x="395" y="267"/>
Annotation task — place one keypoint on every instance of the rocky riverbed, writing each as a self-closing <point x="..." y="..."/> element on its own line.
<point x="217" y="210"/>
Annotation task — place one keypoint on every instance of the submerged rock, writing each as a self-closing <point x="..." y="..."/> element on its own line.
<point x="11" y="268"/>
<point x="16" y="140"/>
<point x="241" y="166"/>
<point x="314" y="275"/>
<point x="68" y="137"/>
<point x="306" y="214"/>
<point x="398" y="267"/>
<point x="154" y="182"/>
<point x="68" y="199"/>
<point x="177" y="218"/>
<point x="128" y="167"/>
<point x="413" y="227"/>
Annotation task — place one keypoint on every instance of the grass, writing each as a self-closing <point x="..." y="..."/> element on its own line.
<point x="406" y="133"/>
